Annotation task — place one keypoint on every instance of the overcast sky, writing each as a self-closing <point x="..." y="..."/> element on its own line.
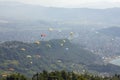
<point x="73" y="3"/>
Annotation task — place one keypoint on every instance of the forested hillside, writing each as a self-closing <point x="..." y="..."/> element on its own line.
<point x="60" y="75"/>
<point x="48" y="55"/>
<point x="59" y="54"/>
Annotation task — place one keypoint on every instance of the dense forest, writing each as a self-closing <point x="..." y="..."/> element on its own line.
<point x="59" y="75"/>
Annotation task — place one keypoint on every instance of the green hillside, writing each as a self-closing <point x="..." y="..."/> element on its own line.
<point x="60" y="75"/>
<point x="50" y="55"/>
<point x="57" y="54"/>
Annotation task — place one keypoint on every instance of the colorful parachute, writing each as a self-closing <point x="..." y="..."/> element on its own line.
<point x="43" y="35"/>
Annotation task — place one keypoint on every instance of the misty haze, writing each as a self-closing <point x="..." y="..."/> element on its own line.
<point x="50" y="42"/>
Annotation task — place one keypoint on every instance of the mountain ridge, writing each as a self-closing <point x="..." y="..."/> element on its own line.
<point x="33" y="12"/>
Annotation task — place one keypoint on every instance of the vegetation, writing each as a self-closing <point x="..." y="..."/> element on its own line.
<point x="91" y="29"/>
<point x="60" y="75"/>
<point x="57" y="54"/>
<point x="28" y="58"/>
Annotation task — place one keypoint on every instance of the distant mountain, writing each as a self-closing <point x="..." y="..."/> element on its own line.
<point x="31" y="12"/>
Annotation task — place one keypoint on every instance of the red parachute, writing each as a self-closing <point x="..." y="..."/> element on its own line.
<point x="43" y="35"/>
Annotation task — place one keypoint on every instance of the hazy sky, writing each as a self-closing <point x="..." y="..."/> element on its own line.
<point x="74" y="3"/>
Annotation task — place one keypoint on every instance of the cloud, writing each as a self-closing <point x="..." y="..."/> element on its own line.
<point x="73" y="3"/>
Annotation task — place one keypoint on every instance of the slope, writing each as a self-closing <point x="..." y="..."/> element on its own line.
<point x="29" y="58"/>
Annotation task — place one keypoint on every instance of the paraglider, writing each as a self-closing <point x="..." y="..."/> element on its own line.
<point x="23" y="49"/>
<point x="71" y="33"/>
<point x="31" y="62"/>
<point x="37" y="56"/>
<point x="61" y="44"/>
<point x="29" y="56"/>
<point x="59" y="61"/>
<point x="48" y="45"/>
<point x="11" y="69"/>
<point x="4" y="75"/>
<point x="37" y="42"/>
<point x="43" y="35"/>
<point x="67" y="49"/>
<point x="50" y="29"/>
<point x="64" y="41"/>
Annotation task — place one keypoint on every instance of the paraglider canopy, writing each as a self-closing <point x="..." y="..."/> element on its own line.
<point x="67" y="49"/>
<point x="61" y="44"/>
<point x="48" y="45"/>
<point x="37" y="42"/>
<point x="64" y="41"/>
<point x="50" y="29"/>
<point x="43" y="35"/>
<point x="11" y="69"/>
<point x="23" y="49"/>
<point x="31" y="62"/>
<point x="29" y="56"/>
<point x="71" y="33"/>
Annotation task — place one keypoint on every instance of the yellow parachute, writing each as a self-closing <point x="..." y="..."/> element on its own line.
<point x="50" y="29"/>
<point x="37" y="42"/>
<point x="23" y="49"/>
